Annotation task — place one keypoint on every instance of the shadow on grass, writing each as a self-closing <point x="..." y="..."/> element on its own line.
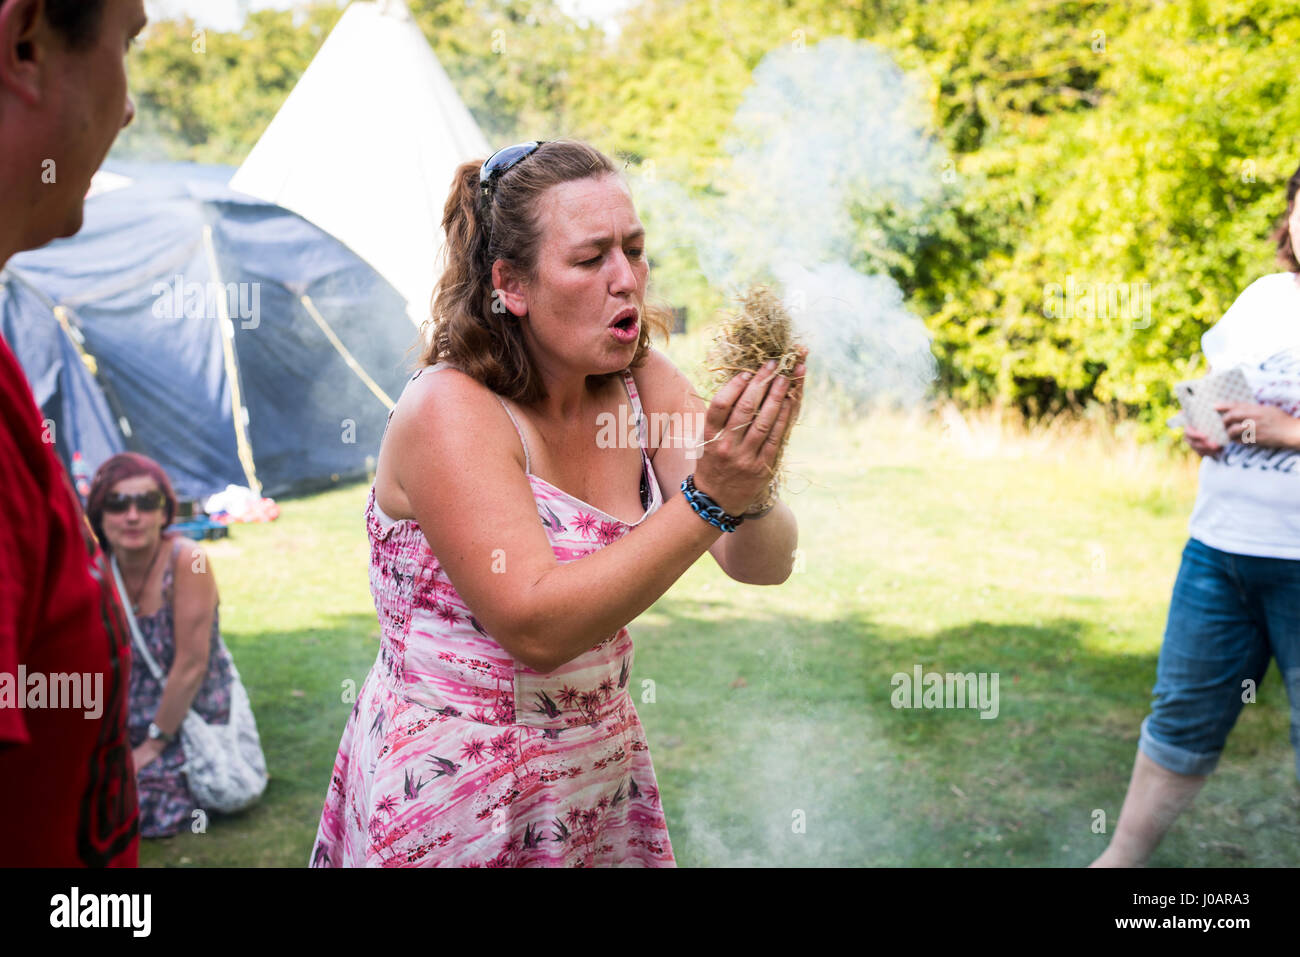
<point x="776" y="743"/>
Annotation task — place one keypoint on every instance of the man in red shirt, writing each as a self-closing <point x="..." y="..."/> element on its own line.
<point x="67" y="784"/>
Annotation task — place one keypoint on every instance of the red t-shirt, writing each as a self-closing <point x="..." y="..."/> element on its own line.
<point x="67" y="782"/>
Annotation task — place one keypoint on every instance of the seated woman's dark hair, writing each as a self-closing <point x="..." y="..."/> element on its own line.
<point x="466" y="330"/>
<point x="1282" y="235"/>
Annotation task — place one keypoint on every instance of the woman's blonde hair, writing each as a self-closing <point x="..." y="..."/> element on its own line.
<point x="465" y="330"/>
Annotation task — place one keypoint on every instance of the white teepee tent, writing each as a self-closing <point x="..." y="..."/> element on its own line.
<point x="366" y="144"/>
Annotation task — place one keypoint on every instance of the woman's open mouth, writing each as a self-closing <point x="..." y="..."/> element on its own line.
<point x="625" y="328"/>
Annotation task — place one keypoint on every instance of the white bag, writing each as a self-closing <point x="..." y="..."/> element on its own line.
<point x="224" y="764"/>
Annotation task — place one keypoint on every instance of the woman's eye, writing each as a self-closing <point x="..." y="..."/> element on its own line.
<point x="634" y="254"/>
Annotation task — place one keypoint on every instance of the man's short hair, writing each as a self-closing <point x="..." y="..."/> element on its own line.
<point x="77" y="21"/>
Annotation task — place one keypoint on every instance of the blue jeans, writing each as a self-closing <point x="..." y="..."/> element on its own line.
<point x="1228" y="616"/>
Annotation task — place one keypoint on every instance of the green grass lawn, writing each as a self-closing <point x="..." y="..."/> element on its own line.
<point x="1050" y="566"/>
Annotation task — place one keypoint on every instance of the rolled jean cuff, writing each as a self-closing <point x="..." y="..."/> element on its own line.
<point x="1173" y="758"/>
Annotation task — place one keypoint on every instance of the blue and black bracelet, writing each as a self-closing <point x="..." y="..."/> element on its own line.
<point x="707" y="508"/>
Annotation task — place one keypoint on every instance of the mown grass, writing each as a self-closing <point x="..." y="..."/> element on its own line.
<point x="962" y="548"/>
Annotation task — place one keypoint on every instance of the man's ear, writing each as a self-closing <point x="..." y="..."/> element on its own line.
<point x="24" y="34"/>
<point x="508" y="290"/>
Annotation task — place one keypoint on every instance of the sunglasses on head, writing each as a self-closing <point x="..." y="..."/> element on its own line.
<point x="502" y="162"/>
<point x="144" y="502"/>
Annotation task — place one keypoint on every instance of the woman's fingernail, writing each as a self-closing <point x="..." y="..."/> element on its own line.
<point x="747" y="376"/>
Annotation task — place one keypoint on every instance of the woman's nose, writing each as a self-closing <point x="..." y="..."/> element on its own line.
<point x="624" y="278"/>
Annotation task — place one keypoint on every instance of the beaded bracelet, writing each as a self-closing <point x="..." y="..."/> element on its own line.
<point x="707" y="508"/>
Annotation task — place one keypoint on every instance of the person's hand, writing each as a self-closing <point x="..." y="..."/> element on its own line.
<point x="1200" y="443"/>
<point x="146" y="753"/>
<point x="747" y="422"/>
<point x="1265" y="425"/>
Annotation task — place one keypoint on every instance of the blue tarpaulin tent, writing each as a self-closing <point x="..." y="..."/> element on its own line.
<point x="226" y="337"/>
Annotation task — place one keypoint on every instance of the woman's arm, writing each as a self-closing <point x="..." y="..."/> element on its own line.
<point x="759" y="551"/>
<point x="194" y="603"/>
<point x="454" y="457"/>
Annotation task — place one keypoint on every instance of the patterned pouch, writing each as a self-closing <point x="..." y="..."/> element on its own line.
<point x="1198" y="398"/>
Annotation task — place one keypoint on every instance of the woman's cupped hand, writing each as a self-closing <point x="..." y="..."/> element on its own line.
<point x="744" y="429"/>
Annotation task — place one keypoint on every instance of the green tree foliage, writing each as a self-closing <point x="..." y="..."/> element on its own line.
<point x="1096" y="149"/>
<point x="206" y="96"/>
<point x="1170" y="172"/>
<point x="511" y="62"/>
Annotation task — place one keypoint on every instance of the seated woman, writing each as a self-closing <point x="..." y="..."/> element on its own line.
<point x="172" y="592"/>
<point x="514" y="534"/>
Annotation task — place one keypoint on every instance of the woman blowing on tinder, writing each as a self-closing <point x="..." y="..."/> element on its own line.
<point x="510" y="547"/>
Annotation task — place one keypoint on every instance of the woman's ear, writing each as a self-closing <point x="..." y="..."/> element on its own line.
<point x="509" y="293"/>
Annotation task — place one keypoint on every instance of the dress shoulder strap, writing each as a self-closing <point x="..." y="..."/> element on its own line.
<point x="528" y="464"/>
<point x="630" y="384"/>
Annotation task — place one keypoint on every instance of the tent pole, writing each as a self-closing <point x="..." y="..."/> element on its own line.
<point x="60" y="314"/>
<point x="89" y="361"/>
<point x="70" y="323"/>
<point x="232" y="369"/>
<point x="342" y="350"/>
<point x="65" y="317"/>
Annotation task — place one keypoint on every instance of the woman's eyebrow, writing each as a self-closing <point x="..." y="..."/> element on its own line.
<point x="600" y="242"/>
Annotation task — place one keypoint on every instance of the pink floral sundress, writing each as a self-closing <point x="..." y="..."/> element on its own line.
<point x="455" y="754"/>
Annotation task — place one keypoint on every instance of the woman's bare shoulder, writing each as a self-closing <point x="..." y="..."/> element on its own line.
<point x="192" y="569"/>
<point x="435" y="393"/>
<point x="183" y="548"/>
<point x="454" y="406"/>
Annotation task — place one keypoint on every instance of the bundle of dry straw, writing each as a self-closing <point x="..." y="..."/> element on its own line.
<point x="744" y="342"/>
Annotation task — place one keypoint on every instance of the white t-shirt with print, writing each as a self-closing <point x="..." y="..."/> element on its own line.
<point x="1249" y="498"/>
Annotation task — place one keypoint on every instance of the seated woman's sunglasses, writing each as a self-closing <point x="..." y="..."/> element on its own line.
<point x="145" y="502"/>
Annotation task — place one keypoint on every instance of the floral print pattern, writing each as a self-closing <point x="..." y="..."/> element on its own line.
<point x="455" y="754"/>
